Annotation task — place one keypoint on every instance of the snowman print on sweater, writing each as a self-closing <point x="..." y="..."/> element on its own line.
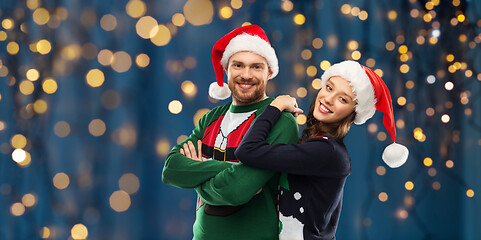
<point x="291" y="227"/>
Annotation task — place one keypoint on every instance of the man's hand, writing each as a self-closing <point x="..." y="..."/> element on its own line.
<point x="188" y="150"/>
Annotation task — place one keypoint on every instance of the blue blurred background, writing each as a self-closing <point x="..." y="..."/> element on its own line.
<point x="93" y="95"/>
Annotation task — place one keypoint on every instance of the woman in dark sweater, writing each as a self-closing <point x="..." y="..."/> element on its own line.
<point x="317" y="167"/>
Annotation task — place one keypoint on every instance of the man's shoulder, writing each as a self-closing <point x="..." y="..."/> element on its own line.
<point x="219" y="110"/>
<point x="288" y="118"/>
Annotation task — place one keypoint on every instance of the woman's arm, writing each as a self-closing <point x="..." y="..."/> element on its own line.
<point x="319" y="157"/>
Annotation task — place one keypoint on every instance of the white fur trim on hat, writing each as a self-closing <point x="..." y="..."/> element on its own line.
<point x="254" y="44"/>
<point x="395" y="155"/>
<point x="361" y="86"/>
<point x="218" y="92"/>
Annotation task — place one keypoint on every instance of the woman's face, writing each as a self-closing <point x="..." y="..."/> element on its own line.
<point x="335" y="101"/>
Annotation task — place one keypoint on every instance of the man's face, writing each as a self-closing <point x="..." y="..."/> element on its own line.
<point x="247" y="76"/>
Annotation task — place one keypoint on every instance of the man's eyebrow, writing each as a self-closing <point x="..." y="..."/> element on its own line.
<point x="255" y="63"/>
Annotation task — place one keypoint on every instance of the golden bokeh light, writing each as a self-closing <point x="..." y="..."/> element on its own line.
<point x="18" y="141"/>
<point x="470" y="193"/>
<point x="17" y="209"/>
<point x="8" y="23"/>
<point x="301" y="92"/>
<point x="72" y="52"/>
<point x="108" y="22"/>
<point x="325" y="65"/>
<point x="352" y="45"/>
<point x="199" y="12"/>
<point x="356" y="55"/>
<point x="461" y="18"/>
<point x="105" y="57"/>
<point x="400" y="123"/>
<point x="181" y="138"/>
<point x="404" y="68"/>
<point x="79" y="231"/>
<point x="95" y="78"/>
<point x="301" y="119"/>
<point x="41" y="16"/>
<point x="45" y="233"/>
<point x="306" y="54"/>
<point x="402" y="214"/>
<point x="236" y="4"/>
<point x="175" y="107"/>
<point x="449" y="163"/>
<point x="346" y="8"/>
<point x="125" y="136"/>
<point x="189" y="88"/>
<point x="401" y="101"/>
<point x="97" y="127"/>
<point x="3" y="36"/>
<point x="120" y="201"/>
<point x="32" y="74"/>
<point x="121" y="61"/>
<point x="381" y="171"/>
<point x="162" y="37"/>
<point x="372" y="128"/>
<point x="225" y="12"/>
<point x="40" y="106"/>
<point x="49" y="86"/>
<point x="381" y="136"/>
<point x="26" y="87"/>
<point x="61" y="180"/>
<point x="61" y="129"/>
<point x="355" y="11"/>
<point x="147" y="27"/>
<point x="383" y="197"/>
<point x="178" y="19"/>
<point x="392" y="15"/>
<point x="142" y="60"/>
<point x="26" y="161"/>
<point x="316" y="83"/>
<point x="43" y="46"/>
<point x="13" y="48"/>
<point x="299" y="19"/>
<point x="409" y="185"/>
<point x="199" y="114"/>
<point x="311" y="71"/>
<point x="29" y="200"/>
<point x="136" y="8"/>
<point x="287" y="6"/>
<point x="129" y="183"/>
<point x="317" y="43"/>
<point x="162" y="148"/>
<point x="363" y="15"/>
<point x="390" y="46"/>
<point x="428" y="162"/>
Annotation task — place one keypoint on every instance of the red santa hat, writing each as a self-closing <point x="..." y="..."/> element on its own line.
<point x="371" y="94"/>
<point x="249" y="38"/>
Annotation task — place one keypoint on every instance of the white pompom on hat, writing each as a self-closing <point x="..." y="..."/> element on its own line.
<point x="371" y="94"/>
<point x="250" y="38"/>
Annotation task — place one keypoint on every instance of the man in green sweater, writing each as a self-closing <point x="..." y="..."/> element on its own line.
<point x="235" y="201"/>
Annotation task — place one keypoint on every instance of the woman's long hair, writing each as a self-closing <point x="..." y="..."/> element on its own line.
<point x="336" y="130"/>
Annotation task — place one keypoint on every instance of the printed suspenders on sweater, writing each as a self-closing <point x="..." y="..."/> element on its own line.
<point x="223" y="135"/>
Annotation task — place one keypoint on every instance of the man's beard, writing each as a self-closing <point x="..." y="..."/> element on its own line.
<point x="249" y="98"/>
